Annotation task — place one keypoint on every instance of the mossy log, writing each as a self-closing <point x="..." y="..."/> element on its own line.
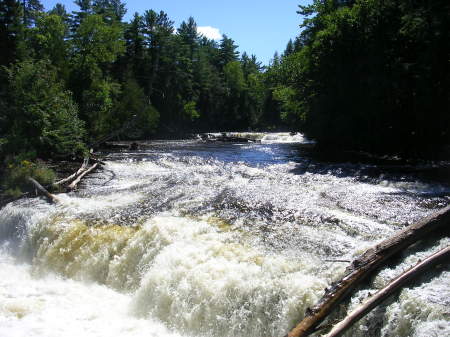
<point x="365" y="265"/>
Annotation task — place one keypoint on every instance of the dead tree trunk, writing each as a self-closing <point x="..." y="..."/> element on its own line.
<point x="50" y="197"/>
<point x="73" y="176"/>
<point x="74" y="184"/>
<point x="439" y="257"/>
<point x="364" y="265"/>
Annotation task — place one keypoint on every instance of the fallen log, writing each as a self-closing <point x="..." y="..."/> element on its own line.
<point x="438" y="257"/>
<point x="74" y="184"/>
<point x="73" y="176"/>
<point x="232" y="139"/>
<point x="364" y="265"/>
<point x="95" y="160"/>
<point x="50" y="197"/>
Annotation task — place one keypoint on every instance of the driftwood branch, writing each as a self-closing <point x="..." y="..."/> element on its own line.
<point x="438" y="257"/>
<point x="74" y="184"/>
<point x="73" y="176"/>
<point x="82" y="171"/>
<point x="364" y="265"/>
<point x="50" y="197"/>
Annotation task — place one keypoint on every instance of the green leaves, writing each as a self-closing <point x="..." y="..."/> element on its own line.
<point x="291" y="107"/>
<point x="97" y="42"/>
<point x="366" y="74"/>
<point x="191" y="111"/>
<point x="227" y="51"/>
<point x="133" y="106"/>
<point x="144" y="71"/>
<point x="40" y="114"/>
<point x="234" y="76"/>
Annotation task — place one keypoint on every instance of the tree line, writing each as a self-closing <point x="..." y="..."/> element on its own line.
<point x="69" y="79"/>
<point x="369" y="75"/>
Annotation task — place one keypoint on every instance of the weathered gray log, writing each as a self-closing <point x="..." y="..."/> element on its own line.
<point x="73" y="176"/>
<point x="442" y="256"/>
<point x="50" y="197"/>
<point x="74" y="184"/>
<point x="364" y="265"/>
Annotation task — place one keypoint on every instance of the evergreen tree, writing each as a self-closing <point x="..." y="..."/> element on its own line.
<point x="77" y="17"/>
<point x="158" y="29"/>
<point x="31" y="10"/>
<point x="12" y="44"/>
<point x="121" y="72"/>
<point x="189" y="36"/>
<point x="111" y="10"/>
<point x="135" y="45"/>
<point x="380" y="88"/>
<point x="227" y="51"/>
<point x="60" y="10"/>
<point x="289" y="48"/>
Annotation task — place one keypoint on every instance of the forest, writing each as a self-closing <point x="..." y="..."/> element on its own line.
<point x="363" y="75"/>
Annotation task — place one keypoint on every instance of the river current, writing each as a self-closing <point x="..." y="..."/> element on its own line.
<point x="194" y="238"/>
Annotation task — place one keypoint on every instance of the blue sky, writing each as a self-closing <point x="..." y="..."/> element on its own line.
<point x="258" y="27"/>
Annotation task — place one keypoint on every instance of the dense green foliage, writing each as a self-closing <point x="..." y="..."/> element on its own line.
<point x="369" y="75"/>
<point x="17" y="171"/>
<point x="76" y="77"/>
<point x="365" y="74"/>
<point x="38" y="114"/>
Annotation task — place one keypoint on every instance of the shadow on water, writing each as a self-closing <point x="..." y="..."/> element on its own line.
<point x="362" y="166"/>
<point x="370" y="169"/>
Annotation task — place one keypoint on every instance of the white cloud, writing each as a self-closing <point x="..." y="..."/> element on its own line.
<point x="210" y="32"/>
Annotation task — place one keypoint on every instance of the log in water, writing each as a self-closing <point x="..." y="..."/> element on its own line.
<point x="186" y="238"/>
<point x="364" y="265"/>
<point x="440" y="257"/>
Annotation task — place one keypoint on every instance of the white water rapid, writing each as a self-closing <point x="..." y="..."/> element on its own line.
<point x="222" y="240"/>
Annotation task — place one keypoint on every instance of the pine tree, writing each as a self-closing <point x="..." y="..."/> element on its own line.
<point x="227" y="51"/>
<point x="158" y="29"/>
<point x="12" y="40"/>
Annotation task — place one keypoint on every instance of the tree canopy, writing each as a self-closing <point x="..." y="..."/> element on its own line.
<point x="366" y="75"/>
<point x="369" y="75"/>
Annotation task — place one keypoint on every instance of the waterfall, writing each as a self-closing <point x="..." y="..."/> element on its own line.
<point x="191" y="240"/>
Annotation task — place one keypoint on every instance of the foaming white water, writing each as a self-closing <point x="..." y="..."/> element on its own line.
<point x="419" y="310"/>
<point x="207" y="283"/>
<point x="183" y="272"/>
<point x="53" y="307"/>
<point x="204" y="246"/>
<point x="268" y="138"/>
<point x="285" y="137"/>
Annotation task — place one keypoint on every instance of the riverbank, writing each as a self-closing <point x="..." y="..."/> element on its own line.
<point x="60" y="169"/>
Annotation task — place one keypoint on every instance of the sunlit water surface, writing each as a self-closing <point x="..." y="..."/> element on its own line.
<point x="187" y="238"/>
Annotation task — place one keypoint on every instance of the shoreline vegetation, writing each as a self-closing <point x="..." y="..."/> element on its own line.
<point x="364" y="77"/>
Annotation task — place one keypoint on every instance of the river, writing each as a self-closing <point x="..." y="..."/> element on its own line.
<point x="187" y="238"/>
